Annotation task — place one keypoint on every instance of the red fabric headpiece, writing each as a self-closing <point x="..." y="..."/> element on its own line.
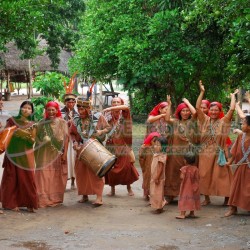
<point x="219" y="105"/>
<point x="206" y="102"/>
<point x="179" y="108"/>
<point x="149" y="138"/>
<point x="155" y="110"/>
<point x="55" y="105"/>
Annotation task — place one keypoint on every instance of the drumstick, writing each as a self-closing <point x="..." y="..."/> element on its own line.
<point x="237" y="164"/>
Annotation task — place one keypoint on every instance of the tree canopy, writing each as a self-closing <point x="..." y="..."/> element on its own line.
<point x="23" y="21"/>
<point x="154" y="48"/>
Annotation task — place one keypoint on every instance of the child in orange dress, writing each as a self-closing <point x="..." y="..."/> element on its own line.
<point x="189" y="198"/>
<point x="145" y="159"/>
<point x="157" y="182"/>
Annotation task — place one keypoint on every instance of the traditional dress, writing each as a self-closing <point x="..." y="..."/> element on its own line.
<point x="189" y="197"/>
<point x="157" y="199"/>
<point x="86" y="180"/>
<point x="120" y="143"/>
<point x="214" y="179"/>
<point x="145" y="159"/>
<point x="69" y="115"/>
<point x="160" y="126"/>
<point x="51" y="173"/>
<point x="18" y="188"/>
<point x="181" y="141"/>
<point x="240" y="188"/>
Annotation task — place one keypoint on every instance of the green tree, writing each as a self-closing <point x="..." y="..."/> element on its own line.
<point x="22" y="21"/>
<point x="154" y="48"/>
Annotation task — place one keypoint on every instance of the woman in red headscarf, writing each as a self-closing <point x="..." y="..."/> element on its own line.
<point x="156" y="121"/>
<point x="145" y="160"/>
<point x="183" y="130"/>
<point x="51" y="156"/>
<point x="119" y="142"/>
<point x="214" y="179"/>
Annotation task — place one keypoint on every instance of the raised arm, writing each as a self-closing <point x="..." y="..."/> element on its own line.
<point x="190" y="106"/>
<point x="201" y="95"/>
<point x="239" y="111"/>
<point x="168" y="113"/>
<point x="230" y="112"/>
<point x="153" y="118"/>
<point x="116" y="108"/>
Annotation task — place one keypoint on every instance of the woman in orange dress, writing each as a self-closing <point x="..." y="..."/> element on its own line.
<point x="214" y="179"/>
<point x="51" y="157"/>
<point x="18" y="188"/>
<point x="156" y="121"/>
<point x="240" y="188"/>
<point x="183" y="128"/>
<point x="119" y="142"/>
<point x="145" y="160"/>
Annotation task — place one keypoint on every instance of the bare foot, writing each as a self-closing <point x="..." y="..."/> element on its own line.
<point x="232" y="211"/>
<point x="205" y="202"/>
<point x="1" y="212"/>
<point x="180" y="217"/>
<point x="84" y="199"/>
<point x="16" y="209"/>
<point x="97" y="203"/>
<point x="130" y="192"/>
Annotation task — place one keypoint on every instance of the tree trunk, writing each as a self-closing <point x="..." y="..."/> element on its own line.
<point x="29" y="89"/>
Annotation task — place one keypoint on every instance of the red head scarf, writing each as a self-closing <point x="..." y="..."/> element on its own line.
<point x="206" y="102"/>
<point x="221" y="115"/>
<point x="55" y="105"/>
<point x="219" y="105"/>
<point x="155" y="110"/>
<point x="150" y="137"/>
<point x="179" y="108"/>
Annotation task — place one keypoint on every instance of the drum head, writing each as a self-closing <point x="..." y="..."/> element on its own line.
<point x="107" y="167"/>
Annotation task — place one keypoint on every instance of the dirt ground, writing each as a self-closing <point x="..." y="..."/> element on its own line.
<point x="123" y="222"/>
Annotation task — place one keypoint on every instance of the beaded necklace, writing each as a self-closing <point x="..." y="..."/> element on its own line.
<point x="245" y="153"/>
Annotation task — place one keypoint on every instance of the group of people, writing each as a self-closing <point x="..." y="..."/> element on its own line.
<point x="182" y="155"/>
<point x="42" y="156"/>
<point x="197" y="159"/>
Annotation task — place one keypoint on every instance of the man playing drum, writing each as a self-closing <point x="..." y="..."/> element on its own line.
<point x="88" y="126"/>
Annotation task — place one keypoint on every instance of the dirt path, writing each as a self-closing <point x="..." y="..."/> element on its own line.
<point x="123" y="222"/>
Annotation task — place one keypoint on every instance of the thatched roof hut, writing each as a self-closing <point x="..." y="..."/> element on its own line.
<point x="18" y="69"/>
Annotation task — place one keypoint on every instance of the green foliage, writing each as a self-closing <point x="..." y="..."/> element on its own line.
<point x="22" y="21"/>
<point x="164" y="47"/>
<point x="39" y="104"/>
<point x="50" y="84"/>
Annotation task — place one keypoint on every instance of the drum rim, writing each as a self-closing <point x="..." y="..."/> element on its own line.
<point x="100" y="172"/>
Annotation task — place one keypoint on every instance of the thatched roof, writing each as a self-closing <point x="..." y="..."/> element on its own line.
<point x="12" y="62"/>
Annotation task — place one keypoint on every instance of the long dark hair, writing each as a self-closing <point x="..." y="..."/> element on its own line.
<point x="164" y="143"/>
<point x="30" y="117"/>
<point x="248" y="120"/>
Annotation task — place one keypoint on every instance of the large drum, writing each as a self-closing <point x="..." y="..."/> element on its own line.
<point x="97" y="157"/>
